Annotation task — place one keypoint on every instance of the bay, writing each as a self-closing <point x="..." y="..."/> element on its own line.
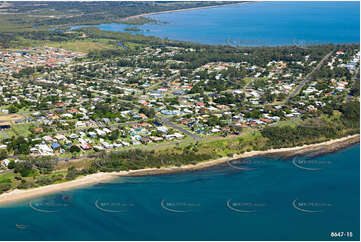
<point x="258" y="24"/>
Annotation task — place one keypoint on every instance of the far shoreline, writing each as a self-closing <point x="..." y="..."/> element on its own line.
<point x="184" y="9"/>
<point x="320" y="148"/>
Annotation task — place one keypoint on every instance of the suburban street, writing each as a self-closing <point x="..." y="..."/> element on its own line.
<point x="307" y="79"/>
<point x="354" y="78"/>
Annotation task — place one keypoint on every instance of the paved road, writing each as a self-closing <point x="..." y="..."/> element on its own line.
<point x="165" y="120"/>
<point x="163" y="82"/>
<point x="170" y="124"/>
<point x="308" y="78"/>
<point x="354" y="78"/>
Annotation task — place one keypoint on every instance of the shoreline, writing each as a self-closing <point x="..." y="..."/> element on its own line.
<point x="181" y="10"/>
<point x="319" y="148"/>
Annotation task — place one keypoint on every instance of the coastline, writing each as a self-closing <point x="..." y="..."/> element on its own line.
<point x="319" y="148"/>
<point x="181" y="10"/>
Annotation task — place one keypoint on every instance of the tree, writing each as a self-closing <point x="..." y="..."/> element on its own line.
<point x="13" y="109"/>
<point x="74" y="148"/>
<point x="72" y="173"/>
<point x="11" y="164"/>
<point x="147" y="111"/>
<point x="19" y="145"/>
<point x="25" y="168"/>
<point x="114" y="135"/>
<point x="5" y="187"/>
<point x="3" y="154"/>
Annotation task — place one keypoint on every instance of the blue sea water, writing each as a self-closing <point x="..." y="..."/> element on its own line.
<point x="260" y="23"/>
<point x="276" y="200"/>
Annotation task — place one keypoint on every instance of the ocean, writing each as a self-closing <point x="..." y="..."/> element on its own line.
<point x="306" y="198"/>
<point x="262" y="199"/>
<point x="259" y="24"/>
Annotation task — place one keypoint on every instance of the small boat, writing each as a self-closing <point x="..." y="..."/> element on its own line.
<point x="21" y="226"/>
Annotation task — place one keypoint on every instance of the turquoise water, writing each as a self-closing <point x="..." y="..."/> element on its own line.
<point x="263" y="23"/>
<point x="193" y="206"/>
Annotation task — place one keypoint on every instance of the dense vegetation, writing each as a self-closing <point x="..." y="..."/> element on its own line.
<point x="349" y="123"/>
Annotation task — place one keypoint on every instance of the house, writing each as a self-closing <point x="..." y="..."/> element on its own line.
<point x="80" y="124"/>
<point x="59" y="104"/>
<point x="106" y="145"/>
<point x="44" y="149"/>
<point x="106" y="120"/>
<point x="116" y="145"/>
<point x="106" y="130"/>
<point x="73" y="136"/>
<point x="34" y="150"/>
<point x="86" y="146"/>
<point x="73" y="110"/>
<point x="162" y="129"/>
<point x="100" y="132"/>
<point x="92" y="134"/>
<point x="154" y="138"/>
<point x="97" y="147"/>
<point x="47" y="139"/>
<point x="126" y="144"/>
<point x="60" y="137"/>
<point x="135" y="143"/>
<point x="38" y="129"/>
<point x="178" y="135"/>
<point x="55" y="146"/>
<point x="5" y="162"/>
<point x="266" y="120"/>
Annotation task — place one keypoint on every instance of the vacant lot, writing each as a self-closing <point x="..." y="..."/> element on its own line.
<point x="10" y="117"/>
<point x="81" y="45"/>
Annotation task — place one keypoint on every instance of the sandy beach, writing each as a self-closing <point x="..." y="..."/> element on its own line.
<point x="320" y="148"/>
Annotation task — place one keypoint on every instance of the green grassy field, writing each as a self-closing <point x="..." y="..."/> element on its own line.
<point x="81" y="45"/>
<point x="22" y="129"/>
<point x="7" y="177"/>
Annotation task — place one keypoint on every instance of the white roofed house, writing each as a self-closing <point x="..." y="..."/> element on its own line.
<point x="178" y="135"/>
<point x="106" y="130"/>
<point x="162" y="129"/>
<point x="73" y="136"/>
<point x="60" y="137"/>
<point x="48" y="139"/>
<point x="44" y="149"/>
<point x="106" y="145"/>
<point x="80" y="124"/>
<point x="100" y="132"/>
